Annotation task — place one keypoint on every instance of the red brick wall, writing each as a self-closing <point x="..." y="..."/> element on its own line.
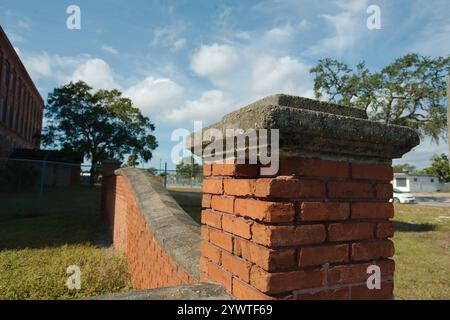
<point x="148" y="264"/>
<point x="309" y="233"/>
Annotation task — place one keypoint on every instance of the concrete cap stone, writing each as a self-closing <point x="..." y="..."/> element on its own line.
<point x="317" y="129"/>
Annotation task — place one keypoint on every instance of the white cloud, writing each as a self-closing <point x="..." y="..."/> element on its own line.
<point x="281" y="33"/>
<point x="179" y="44"/>
<point x="303" y="24"/>
<point x="169" y="37"/>
<point x="43" y="65"/>
<point x="110" y="49"/>
<point x="155" y="95"/>
<point x="282" y="75"/>
<point x="210" y="106"/>
<point x="348" y="27"/>
<point x="96" y="73"/>
<point x="214" y="61"/>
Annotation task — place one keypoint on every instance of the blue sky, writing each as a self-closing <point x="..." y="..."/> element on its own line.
<point x="198" y="60"/>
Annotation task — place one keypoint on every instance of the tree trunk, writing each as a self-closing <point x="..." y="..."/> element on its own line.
<point x="92" y="172"/>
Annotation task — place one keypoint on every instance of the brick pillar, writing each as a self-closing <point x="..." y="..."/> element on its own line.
<point x="75" y="172"/>
<point x="312" y="230"/>
<point x="108" y="185"/>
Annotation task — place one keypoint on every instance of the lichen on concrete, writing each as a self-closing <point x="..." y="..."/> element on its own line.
<point x="317" y="129"/>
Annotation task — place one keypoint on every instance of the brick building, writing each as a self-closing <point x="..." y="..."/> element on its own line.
<point x="21" y="106"/>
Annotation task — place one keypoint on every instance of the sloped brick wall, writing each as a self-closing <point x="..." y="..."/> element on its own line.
<point x="150" y="265"/>
<point x="308" y="233"/>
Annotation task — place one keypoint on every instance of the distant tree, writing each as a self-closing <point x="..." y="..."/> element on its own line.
<point x="100" y="124"/>
<point x="409" y="92"/>
<point x="187" y="170"/>
<point x="132" y="160"/>
<point x="404" y="167"/>
<point x="440" y="167"/>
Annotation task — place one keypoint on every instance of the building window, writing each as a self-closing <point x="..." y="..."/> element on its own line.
<point x="400" y="182"/>
<point x="432" y="180"/>
<point x="415" y="179"/>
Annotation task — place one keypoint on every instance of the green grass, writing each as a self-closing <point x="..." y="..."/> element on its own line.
<point x="37" y="246"/>
<point x="422" y="242"/>
<point x="190" y="200"/>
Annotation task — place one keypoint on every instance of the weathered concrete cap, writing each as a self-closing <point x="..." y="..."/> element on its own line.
<point x="316" y="129"/>
<point x="199" y="291"/>
<point x="285" y="100"/>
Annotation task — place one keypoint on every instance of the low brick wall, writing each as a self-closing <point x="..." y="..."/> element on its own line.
<point x="159" y="240"/>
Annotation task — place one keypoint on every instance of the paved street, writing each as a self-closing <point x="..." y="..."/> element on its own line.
<point x="433" y="199"/>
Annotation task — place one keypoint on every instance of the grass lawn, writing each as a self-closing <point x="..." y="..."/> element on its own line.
<point x="37" y="246"/>
<point x="190" y="200"/>
<point x="422" y="243"/>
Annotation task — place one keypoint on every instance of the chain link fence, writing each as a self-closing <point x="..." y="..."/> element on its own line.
<point x="25" y="183"/>
<point x="174" y="179"/>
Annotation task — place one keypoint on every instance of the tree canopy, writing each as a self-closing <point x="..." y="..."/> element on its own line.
<point x="188" y="170"/>
<point x="440" y="167"/>
<point x="409" y="92"/>
<point x="100" y="125"/>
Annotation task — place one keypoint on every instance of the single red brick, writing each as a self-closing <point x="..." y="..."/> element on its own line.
<point x="313" y="168"/>
<point x="211" y="252"/>
<point x="265" y="211"/>
<point x="372" y="210"/>
<point x="385" y="229"/>
<point x="206" y="201"/>
<point x="239" y="187"/>
<point x="309" y="234"/>
<point x="219" y="275"/>
<point x="238" y="226"/>
<point x="288" y="187"/>
<point x="243" y="291"/>
<point x="224" y="204"/>
<point x="207" y="169"/>
<point x="372" y="171"/>
<point x="204" y="232"/>
<point x="273" y="236"/>
<point x="384" y="191"/>
<point x="227" y="223"/>
<point x="270" y="260"/>
<point x="214" y="186"/>
<point x="285" y="281"/>
<point x="350" y="190"/>
<point x="353" y="273"/>
<point x="212" y="219"/>
<point x="350" y="231"/>
<point x="336" y="294"/>
<point x="236" y="266"/>
<point x="363" y="293"/>
<point x="235" y="170"/>
<point x="221" y="240"/>
<point x="314" y="256"/>
<point x="364" y="251"/>
<point x="324" y="211"/>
